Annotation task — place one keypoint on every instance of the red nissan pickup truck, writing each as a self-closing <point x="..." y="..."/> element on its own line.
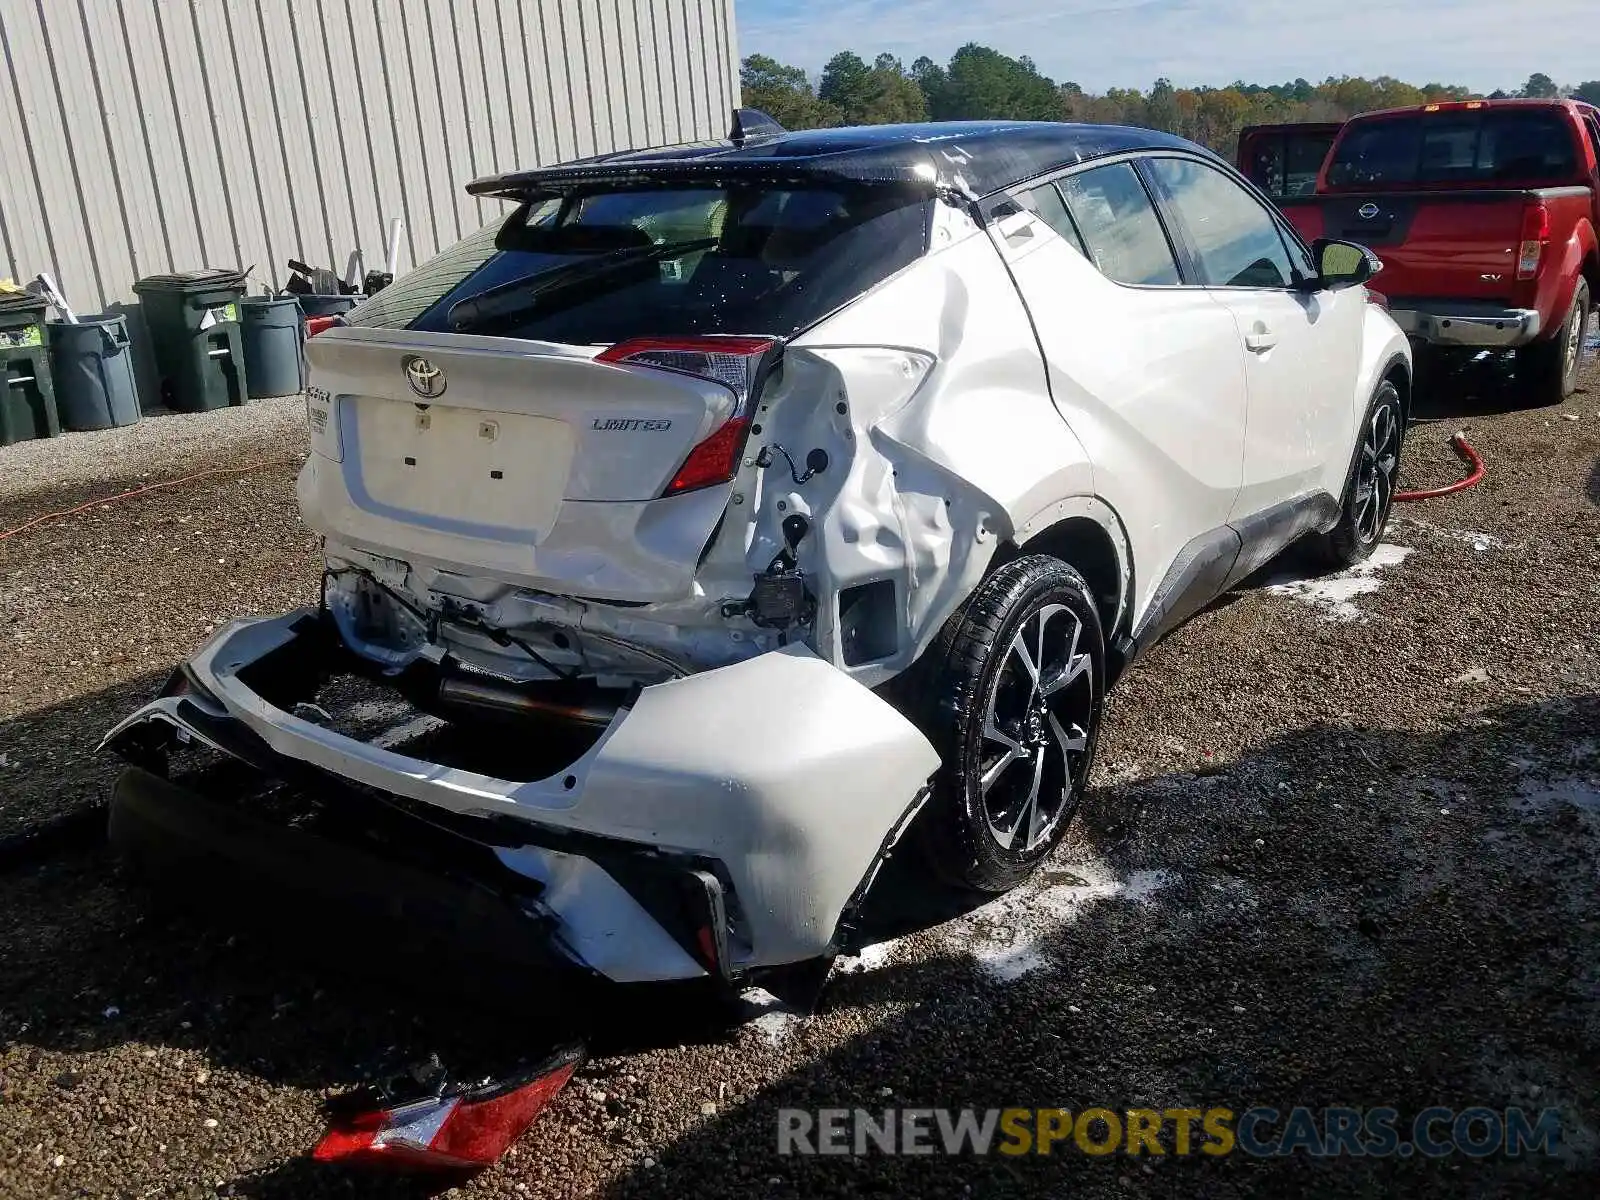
<point x="1484" y="213"/>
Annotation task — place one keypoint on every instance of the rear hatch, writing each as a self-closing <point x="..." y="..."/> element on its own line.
<point x="1445" y="193"/>
<point x="572" y="387"/>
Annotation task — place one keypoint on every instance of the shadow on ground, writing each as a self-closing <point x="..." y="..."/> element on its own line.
<point x="1322" y="937"/>
<point x="1466" y="384"/>
<point x="48" y="768"/>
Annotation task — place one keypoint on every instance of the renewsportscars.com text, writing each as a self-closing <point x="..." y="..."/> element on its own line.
<point x="1477" y="1132"/>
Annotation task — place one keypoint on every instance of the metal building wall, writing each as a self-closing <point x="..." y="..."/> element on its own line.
<point x="144" y="136"/>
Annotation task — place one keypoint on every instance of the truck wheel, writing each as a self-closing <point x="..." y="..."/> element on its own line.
<point x="1364" y="512"/>
<point x="1014" y="689"/>
<point x="1549" y="368"/>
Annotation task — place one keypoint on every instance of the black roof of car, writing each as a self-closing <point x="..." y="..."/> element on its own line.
<point x="972" y="158"/>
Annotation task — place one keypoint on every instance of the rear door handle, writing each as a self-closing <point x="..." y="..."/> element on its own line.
<point x="1260" y="341"/>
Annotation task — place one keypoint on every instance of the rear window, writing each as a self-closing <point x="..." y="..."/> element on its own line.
<point x="604" y="266"/>
<point x="1489" y="146"/>
<point x="1287" y="164"/>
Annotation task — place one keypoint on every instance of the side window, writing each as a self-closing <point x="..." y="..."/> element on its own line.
<point x="1266" y="164"/>
<point x="1306" y="153"/>
<point x="1236" y="239"/>
<point x="1119" y="224"/>
<point x="1593" y="126"/>
<point x="1045" y="203"/>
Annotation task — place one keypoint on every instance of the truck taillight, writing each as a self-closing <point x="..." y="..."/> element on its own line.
<point x="734" y="362"/>
<point x="1535" y="237"/>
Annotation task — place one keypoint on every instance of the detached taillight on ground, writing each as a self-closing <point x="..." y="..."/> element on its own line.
<point x="733" y="361"/>
<point x="463" y="1130"/>
<point x="1535" y="237"/>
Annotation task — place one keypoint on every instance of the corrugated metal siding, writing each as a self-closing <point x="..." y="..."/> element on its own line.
<point x="147" y="136"/>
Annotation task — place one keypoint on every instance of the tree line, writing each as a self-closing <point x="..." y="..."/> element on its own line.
<point x="981" y="83"/>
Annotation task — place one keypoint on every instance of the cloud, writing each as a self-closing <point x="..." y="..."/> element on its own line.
<point x="1484" y="44"/>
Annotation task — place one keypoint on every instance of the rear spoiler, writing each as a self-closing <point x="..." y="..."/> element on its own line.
<point x="748" y="127"/>
<point x="748" y="155"/>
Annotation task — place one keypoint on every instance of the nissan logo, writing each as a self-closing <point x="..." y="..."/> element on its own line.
<point x="1367" y="211"/>
<point x="426" y="380"/>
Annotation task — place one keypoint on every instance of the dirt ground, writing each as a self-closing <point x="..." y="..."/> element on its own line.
<point x="1344" y="849"/>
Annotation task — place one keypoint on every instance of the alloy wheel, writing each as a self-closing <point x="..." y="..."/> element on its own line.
<point x="1575" y="332"/>
<point x="1380" y="460"/>
<point x="1036" y="730"/>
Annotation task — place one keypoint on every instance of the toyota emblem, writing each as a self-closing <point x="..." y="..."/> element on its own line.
<point x="1367" y="211"/>
<point x="426" y="380"/>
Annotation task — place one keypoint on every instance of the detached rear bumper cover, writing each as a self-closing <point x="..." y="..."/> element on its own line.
<point x="781" y="768"/>
<point x="1466" y="324"/>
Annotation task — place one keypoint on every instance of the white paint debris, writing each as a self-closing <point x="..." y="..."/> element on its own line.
<point x="401" y="734"/>
<point x="1481" y="542"/>
<point x="379" y="710"/>
<point x="776" y="1028"/>
<point x="1572" y="791"/>
<point x="1475" y="675"/>
<point x="776" y="1023"/>
<point x="1006" y="937"/>
<point x="1333" y="595"/>
<point x="870" y="958"/>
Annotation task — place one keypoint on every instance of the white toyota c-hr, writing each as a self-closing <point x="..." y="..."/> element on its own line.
<point x="722" y="513"/>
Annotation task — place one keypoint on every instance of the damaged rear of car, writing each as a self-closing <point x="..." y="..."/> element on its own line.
<point x="620" y="535"/>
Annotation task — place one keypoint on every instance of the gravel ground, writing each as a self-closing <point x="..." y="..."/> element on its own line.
<point x="1342" y="851"/>
<point x="96" y="608"/>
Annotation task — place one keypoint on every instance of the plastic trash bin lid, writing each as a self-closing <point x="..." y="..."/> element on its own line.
<point x="191" y="281"/>
<point x="22" y="302"/>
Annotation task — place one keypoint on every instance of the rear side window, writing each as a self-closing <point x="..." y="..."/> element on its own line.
<point x="1288" y="163"/>
<point x="1459" y="146"/>
<point x="1306" y="155"/>
<point x="1046" y="203"/>
<point x="1119" y="225"/>
<point x="1234" y="237"/>
<point x="608" y="265"/>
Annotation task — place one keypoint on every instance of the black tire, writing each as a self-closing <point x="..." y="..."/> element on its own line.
<point x="1548" y="369"/>
<point x="1370" y="486"/>
<point x="978" y="707"/>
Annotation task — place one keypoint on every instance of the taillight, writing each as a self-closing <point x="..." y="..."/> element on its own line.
<point x="1535" y="237"/>
<point x="316" y="325"/>
<point x="734" y="362"/>
<point x="461" y="1132"/>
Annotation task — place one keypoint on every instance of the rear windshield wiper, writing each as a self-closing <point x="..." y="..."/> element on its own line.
<point x="516" y="299"/>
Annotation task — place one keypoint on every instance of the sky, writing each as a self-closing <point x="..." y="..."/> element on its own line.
<point x="1483" y="44"/>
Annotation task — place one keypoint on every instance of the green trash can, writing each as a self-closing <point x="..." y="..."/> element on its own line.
<point x="273" y="332"/>
<point x="27" y="395"/>
<point x="193" y="318"/>
<point x="92" y="362"/>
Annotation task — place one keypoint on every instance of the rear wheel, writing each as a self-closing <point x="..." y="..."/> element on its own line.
<point x="1014" y="693"/>
<point x="1548" y="369"/>
<point x="1367" y="497"/>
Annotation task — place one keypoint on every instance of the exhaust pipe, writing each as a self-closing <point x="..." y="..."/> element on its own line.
<point x="506" y="701"/>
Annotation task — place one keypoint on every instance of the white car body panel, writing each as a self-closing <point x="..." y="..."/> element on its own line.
<point x="1301" y="352"/>
<point x="1161" y="415"/>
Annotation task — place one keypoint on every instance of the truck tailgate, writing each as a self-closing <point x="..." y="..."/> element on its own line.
<point x="1461" y="244"/>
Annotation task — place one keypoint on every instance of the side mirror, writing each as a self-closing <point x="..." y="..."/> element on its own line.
<point x="1344" y="264"/>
